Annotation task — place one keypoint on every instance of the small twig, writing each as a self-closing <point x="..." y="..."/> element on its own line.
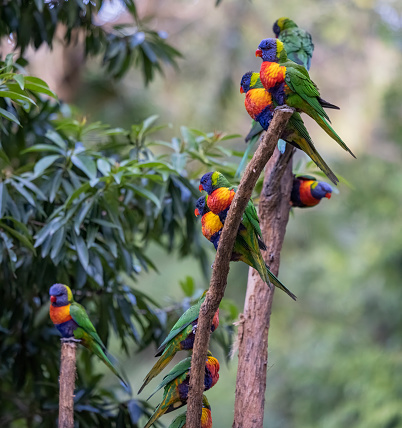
<point x="222" y="260"/>
<point x="67" y="382"/>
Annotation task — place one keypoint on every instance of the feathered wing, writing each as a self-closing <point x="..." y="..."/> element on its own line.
<point x="91" y="339"/>
<point x="298" y="45"/>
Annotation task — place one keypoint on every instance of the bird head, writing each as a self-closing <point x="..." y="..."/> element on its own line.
<point x="320" y="189"/>
<point x="271" y="50"/>
<point x="201" y="206"/>
<point x="212" y="181"/>
<point x="282" y="24"/>
<point x="60" y="295"/>
<point x="250" y="80"/>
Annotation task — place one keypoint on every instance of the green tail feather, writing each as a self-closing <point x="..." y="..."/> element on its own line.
<point x="278" y="283"/>
<point x="97" y="350"/>
<point x="163" y="361"/>
<point x="159" y="411"/>
<point x="328" y="129"/>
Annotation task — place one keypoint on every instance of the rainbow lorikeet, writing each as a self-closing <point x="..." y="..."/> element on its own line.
<point x="246" y="247"/>
<point x="72" y="321"/>
<point x="206" y="418"/>
<point x="308" y="192"/>
<point x="181" y="337"/>
<point x="260" y="106"/>
<point x="298" y="43"/>
<point x="299" y="48"/>
<point x="289" y="83"/>
<point x="175" y="385"/>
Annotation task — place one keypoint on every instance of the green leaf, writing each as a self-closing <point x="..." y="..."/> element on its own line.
<point x="86" y="206"/>
<point x="9" y="116"/>
<point x="44" y="163"/>
<point x="56" y="138"/>
<point x="82" y="251"/>
<point x="145" y="193"/>
<point x="37" y="148"/>
<point x="19" y="78"/>
<point x="16" y="96"/>
<point x="188" y="286"/>
<point x="23" y="239"/>
<point x="3" y="197"/>
<point x="86" y="165"/>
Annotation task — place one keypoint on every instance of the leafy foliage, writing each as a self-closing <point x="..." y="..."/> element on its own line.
<point x="79" y="204"/>
<point x="36" y="22"/>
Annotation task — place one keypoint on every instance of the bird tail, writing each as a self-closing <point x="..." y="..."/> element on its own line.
<point x="159" y="411"/>
<point x="327" y="104"/>
<point x="278" y="283"/>
<point x="311" y="151"/>
<point x="257" y="262"/>
<point x="163" y="361"/>
<point x="328" y="129"/>
<point x="97" y="350"/>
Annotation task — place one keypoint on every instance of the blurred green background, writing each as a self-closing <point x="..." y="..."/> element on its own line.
<point x="335" y="356"/>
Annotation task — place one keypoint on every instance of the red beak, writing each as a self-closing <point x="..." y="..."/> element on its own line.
<point x="328" y="195"/>
<point x="196" y="212"/>
<point x="258" y="52"/>
<point x="200" y="188"/>
<point x="241" y="90"/>
<point x="53" y="299"/>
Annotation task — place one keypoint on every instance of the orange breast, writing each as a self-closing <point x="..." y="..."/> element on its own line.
<point x="272" y="73"/>
<point x="305" y="193"/>
<point x="210" y="225"/>
<point x="220" y="199"/>
<point x="206" y="419"/>
<point x="60" y="314"/>
<point x="256" y="101"/>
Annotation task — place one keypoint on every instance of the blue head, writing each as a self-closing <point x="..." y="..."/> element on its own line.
<point x="201" y="206"/>
<point x="320" y="189"/>
<point x="206" y="183"/>
<point x="245" y="82"/>
<point x="60" y="295"/>
<point x="271" y="50"/>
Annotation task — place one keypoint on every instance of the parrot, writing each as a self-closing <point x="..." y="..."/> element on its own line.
<point x="206" y="418"/>
<point x="298" y="43"/>
<point x="260" y="106"/>
<point x="308" y="192"/>
<point x="245" y="248"/>
<point x="72" y="321"/>
<point x="181" y="337"/>
<point x="175" y="385"/>
<point x="299" y="48"/>
<point x="289" y="83"/>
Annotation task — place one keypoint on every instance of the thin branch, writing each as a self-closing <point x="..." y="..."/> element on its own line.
<point x="253" y="329"/>
<point x="222" y="259"/>
<point x="67" y="383"/>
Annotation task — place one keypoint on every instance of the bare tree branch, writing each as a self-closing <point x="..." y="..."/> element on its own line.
<point x="273" y="211"/>
<point x="222" y="259"/>
<point x="67" y="383"/>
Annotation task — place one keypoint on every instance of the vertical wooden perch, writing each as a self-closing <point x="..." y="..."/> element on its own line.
<point x="273" y="212"/>
<point x="67" y="383"/>
<point x="221" y="264"/>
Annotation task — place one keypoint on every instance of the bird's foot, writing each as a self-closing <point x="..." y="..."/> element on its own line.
<point x="69" y="339"/>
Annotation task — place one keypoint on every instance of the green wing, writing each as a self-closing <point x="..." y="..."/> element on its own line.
<point x="297" y="123"/>
<point x="187" y="318"/>
<point x="298" y="45"/>
<point x="251" y="213"/>
<point x="299" y="82"/>
<point x="178" y="370"/>
<point x="80" y="316"/>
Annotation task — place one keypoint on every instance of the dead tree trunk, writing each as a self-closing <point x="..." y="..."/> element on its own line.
<point x="222" y="259"/>
<point x="273" y="211"/>
<point x="67" y="384"/>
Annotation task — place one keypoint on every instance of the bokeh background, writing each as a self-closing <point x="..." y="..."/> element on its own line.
<point x="335" y="356"/>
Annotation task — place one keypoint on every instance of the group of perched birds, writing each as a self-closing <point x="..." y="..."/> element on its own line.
<point x="72" y="321"/>
<point x="283" y="79"/>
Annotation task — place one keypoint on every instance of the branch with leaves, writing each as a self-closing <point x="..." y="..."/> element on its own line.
<point x="222" y="260"/>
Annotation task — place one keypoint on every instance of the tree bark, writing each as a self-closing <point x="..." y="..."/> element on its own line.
<point x="67" y="384"/>
<point x="222" y="259"/>
<point x="253" y="329"/>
